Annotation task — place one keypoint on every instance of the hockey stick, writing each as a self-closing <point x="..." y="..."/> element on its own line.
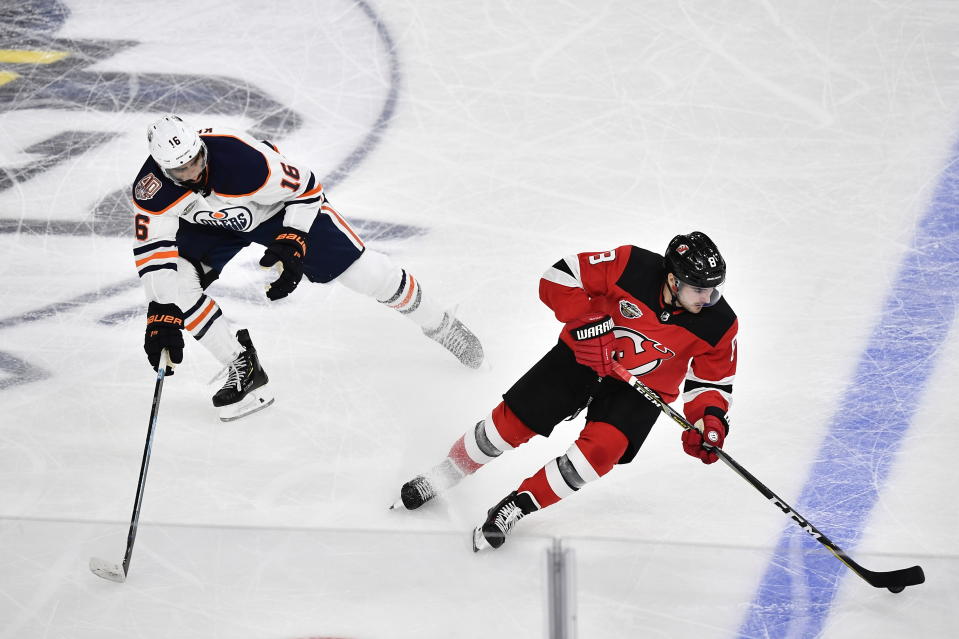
<point x="118" y="572"/>
<point x="893" y="580"/>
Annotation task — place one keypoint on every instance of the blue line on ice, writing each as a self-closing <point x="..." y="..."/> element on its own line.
<point x="796" y="592"/>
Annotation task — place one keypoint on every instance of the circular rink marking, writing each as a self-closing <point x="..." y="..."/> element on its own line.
<point x="77" y="92"/>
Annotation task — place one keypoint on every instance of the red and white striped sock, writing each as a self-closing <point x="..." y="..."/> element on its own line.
<point x="502" y="430"/>
<point x="599" y="447"/>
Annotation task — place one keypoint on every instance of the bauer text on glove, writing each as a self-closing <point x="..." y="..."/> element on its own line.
<point x="288" y="249"/>
<point x="164" y="331"/>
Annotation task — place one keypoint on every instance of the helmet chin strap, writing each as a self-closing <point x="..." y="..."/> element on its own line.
<point x="198" y="185"/>
<point x="673" y="292"/>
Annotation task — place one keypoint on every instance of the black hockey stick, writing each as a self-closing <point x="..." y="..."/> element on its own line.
<point x="118" y="572"/>
<point x="893" y="580"/>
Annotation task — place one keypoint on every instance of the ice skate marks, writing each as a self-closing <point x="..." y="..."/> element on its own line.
<point x="870" y="424"/>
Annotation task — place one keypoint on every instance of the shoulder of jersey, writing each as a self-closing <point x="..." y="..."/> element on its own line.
<point x="153" y="191"/>
<point x="710" y="324"/>
<point x="724" y="312"/>
<point x="238" y="162"/>
<point x="642" y="277"/>
<point x="642" y="274"/>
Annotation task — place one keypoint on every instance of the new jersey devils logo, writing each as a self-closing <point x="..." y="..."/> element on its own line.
<point x="637" y="353"/>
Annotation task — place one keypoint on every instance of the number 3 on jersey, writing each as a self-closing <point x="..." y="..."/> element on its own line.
<point x="608" y="256"/>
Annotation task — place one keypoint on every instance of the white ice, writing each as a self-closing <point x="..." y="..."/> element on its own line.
<point x="806" y="138"/>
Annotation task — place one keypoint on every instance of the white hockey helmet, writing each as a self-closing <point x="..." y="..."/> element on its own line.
<point x="173" y="143"/>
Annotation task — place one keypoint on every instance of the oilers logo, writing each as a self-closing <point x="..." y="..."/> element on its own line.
<point x="234" y="218"/>
<point x="638" y="353"/>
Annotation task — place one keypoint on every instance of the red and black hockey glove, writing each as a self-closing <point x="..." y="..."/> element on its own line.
<point x="593" y="342"/>
<point x="164" y="331"/>
<point x="289" y="249"/>
<point x="713" y="431"/>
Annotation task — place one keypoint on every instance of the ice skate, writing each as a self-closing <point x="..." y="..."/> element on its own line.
<point x="244" y="391"/>
<point x="423" y="488"/>
<point x="501" y="518"/>
<point x="453" y="335"/>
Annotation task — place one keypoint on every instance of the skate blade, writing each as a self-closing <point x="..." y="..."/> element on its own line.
<point x="479" y="539"/>
<point x="107" y="570"/>
<point x="253" y="402"/>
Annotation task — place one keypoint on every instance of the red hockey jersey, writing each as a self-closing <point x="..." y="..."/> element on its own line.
<point x="656" y="342"/>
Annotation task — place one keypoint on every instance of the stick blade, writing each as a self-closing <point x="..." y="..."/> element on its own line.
<point x="895" y="580"/>
<point x="107" y="570"/>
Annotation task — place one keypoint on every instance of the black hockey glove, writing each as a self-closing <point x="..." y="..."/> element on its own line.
<point x="289" y="249"/>
<point x="164" y="331"/>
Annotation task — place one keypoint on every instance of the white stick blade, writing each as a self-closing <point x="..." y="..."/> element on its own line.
<point x="107" y="570"/>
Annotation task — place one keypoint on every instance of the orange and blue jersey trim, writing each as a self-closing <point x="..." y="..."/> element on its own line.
<point x="155" y="256"/>
<point x="343" y="225"/>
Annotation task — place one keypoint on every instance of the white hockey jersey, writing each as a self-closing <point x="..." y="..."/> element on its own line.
<point x="247" y="182"/>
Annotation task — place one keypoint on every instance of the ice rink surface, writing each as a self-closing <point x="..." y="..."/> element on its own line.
<point x="477" y="143"/>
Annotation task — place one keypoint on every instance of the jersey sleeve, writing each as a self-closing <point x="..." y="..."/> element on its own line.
<point x="157" y="204"/>
<point x="569" y="286"/>
<point x="709" y="382"/>
<point x="295" y="187"/>
<point x="300" y="210"/>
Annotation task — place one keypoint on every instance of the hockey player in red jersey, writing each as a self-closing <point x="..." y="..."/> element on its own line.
<point x="201" y="197"/>
<point x="663" y="318"/>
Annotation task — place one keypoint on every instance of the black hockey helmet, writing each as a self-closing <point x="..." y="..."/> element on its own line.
<point x="694" y="260"/>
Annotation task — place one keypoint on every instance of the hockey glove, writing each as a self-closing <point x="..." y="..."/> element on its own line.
<point x="288" y="249"/>
<point x="710" y="430"/>
<point x="164" y="330"/>
<point x="593" y="342"/>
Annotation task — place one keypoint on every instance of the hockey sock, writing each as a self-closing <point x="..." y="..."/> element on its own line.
<point x="374" y="274"/>
<point x="408" y="299"/>
<point x="599" y="447"/>
<point x="205" y="322"/>
<point x="202" y="316"/>
<point x="502" y="430"/>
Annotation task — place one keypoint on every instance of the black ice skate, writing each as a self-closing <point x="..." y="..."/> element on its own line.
<point x="423" y="488"/>
<point x="453" y="335"/>
<point x="244" y="390"/>
<point x="501" y="518"/>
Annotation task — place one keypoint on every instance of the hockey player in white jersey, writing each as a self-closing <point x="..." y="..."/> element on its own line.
<point x="201" y="197"/>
